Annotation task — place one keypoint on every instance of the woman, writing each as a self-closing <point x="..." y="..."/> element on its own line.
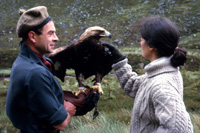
<point x="158" y="105"/>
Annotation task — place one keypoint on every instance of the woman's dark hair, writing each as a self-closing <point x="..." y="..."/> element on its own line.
<point x="179" y="57"/>
<point x="162" y="34"/>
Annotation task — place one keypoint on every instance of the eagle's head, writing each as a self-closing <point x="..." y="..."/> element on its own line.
<point x="95" y="32"/>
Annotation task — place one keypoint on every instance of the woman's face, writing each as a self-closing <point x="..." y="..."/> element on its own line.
<point x="147" y="52"/>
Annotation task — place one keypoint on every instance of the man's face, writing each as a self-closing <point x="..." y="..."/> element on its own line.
<point x="46" y="41"/>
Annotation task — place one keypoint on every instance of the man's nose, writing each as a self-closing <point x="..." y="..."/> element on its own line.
<point x="55" y="38"/>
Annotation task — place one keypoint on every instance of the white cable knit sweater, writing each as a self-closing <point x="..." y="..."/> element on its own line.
<point x="158" y="105"/>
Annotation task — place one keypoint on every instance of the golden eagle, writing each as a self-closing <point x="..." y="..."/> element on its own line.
<point x="86" y="56"/>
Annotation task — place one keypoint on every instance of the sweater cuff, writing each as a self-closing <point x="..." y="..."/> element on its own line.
<point x="59" y="116"/>
<point x="120" y="64"/>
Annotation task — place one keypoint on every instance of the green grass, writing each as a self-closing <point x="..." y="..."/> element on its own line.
<point x="195" y="116"/>
<point x="4" y="72"/>
<point x="102" y="124"/>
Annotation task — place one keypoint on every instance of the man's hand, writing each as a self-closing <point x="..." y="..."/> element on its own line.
<point x="71" y="109"/>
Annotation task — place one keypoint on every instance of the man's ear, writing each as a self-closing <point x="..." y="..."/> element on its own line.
<point x="32" y="36"/>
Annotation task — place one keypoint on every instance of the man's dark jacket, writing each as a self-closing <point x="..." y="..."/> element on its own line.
<point x="35" y="98"/>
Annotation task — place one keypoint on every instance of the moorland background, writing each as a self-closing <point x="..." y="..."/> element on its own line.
<point x="72" y="17"/>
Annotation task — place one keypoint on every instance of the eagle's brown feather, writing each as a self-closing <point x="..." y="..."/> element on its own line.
<point x="86" y="57"/>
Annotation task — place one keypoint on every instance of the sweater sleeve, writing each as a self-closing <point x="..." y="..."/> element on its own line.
<point x="128" y="79"/>
<point x="170" y="111"/>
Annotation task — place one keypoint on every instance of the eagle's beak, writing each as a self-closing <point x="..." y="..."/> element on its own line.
<point x="106" y="34"/>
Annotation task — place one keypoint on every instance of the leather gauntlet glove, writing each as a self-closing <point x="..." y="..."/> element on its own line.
<point x="113" y="53"/>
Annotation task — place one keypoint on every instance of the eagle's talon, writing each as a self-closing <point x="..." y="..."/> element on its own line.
<point x="98" y="88"/>
<point x="76" y="93"/>
<point x="99" y="84"/>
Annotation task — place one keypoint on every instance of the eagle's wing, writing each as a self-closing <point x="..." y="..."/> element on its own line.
<point x="59" y="58"/>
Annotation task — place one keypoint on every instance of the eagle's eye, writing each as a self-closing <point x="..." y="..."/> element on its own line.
<point x="101" y="32"/>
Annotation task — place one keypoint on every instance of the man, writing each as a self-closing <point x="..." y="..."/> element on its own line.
<point x="35" y="100"/>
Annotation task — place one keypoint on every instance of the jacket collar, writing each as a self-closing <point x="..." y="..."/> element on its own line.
<point x="27" y="52"/>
